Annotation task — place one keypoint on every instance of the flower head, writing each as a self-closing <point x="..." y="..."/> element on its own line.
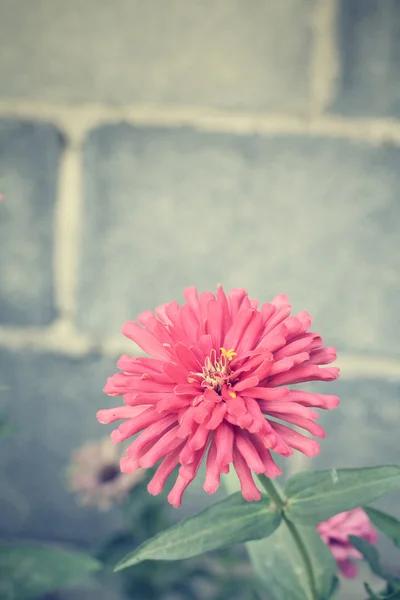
<point x="335" y="533"/>
<point x="94" y="474"/>
<point x="216" y="387"/>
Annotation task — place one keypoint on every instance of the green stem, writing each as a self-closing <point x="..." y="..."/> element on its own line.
<point x="271" y="491"/>
<point x="304" y="554"/>
<point x="275" y="496"/>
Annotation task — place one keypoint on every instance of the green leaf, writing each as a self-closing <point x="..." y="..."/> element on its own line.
<point x="392" y="592"/>
<point x="30" y="571"/>
<point x="233" y="520"/>
<point x="279" y="565"/>
<point x="369" y="552"/>
<point x="389" y="525"/>
<point x="371" y="555"/>
<point x="315" y="496"/>
<point x="370" y="592"/>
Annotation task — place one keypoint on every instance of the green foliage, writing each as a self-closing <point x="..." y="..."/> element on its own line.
<point x="315" y="496"/>
<point x="281" y="569"/>
<point x="29" y="571"/>
<point x="228" y="522"/>
<point x="388" y="524"/>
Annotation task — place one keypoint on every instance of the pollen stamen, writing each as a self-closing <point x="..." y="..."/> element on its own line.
<point x="216" y="371"/>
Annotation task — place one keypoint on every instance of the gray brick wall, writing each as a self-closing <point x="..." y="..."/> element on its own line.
<point x="154" y="145"/>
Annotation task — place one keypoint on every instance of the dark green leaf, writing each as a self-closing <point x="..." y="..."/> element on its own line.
<point x="315" y="496"/>
<point x="335" y="587"/>
<point x="371" y="593"/>
<point x="369" y="552"/>
<point x="280" y="567"/>
<point x="392" y="591"/>
<point x="228" y="522"/>
<point x="30" y="571"/>
<point x="386" y="523"/>
<point x="371" y="555"/>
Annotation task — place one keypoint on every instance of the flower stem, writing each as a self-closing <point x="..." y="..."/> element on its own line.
<point x="275" y="496"/>
<point x="304" y="554"/>
<point x="271" y="491"/>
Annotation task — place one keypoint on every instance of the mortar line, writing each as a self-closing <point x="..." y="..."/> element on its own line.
<point x="325" y="63"/>
<point x="67" y="230"/>
<point x="76" y="121"/>
<point x="62" y="337"/>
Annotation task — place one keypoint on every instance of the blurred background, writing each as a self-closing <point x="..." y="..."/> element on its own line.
<point x="149" y="146"/>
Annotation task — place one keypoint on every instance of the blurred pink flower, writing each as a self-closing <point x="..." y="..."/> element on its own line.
<point x="335" y="532"/>
<point x="95" y="476"/>
<point x="214" y="385"/>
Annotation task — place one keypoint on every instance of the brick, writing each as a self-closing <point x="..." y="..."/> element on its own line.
<point x="52" y="401"/>
<point x="362" y="432"/>
<point x="369" y="45"/>
<point x="29" y="162"/>
<point x="222" y="54"/>
<point x="312" y="217"/>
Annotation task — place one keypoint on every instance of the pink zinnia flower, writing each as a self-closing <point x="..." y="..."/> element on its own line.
<point x="94" y="475"/>
<point x="215" y="385"/>
<point x="335" y="532"/>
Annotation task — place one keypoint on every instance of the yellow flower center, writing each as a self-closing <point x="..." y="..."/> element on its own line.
<point x="216" y="371"/>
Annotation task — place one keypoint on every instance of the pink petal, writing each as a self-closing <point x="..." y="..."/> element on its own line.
<point x="271" y="469"/>
<point x="150" y="435"/>
<point x="120" y="412"/>
<point x="305" y="373"/>
<point x="205" y="298"/>
<point x="323" y="356"/>
<point x="294" y="347"/>
<point x="189" y="470"/>
<point x="296" y="440"/>
<point x="205" y="344"/>
<point x="251" y="335"/>
<point x="156" y="484"/>
<point x="214" y="322"/>
<point x="177" y="373"/>
<point x="200" y="438"/>
<point x="247" y="485"/>
<point x="145" y="340"/>
<point x="302" y="422"/>
<point x="308" y="399"/>
<point x="133" y="426"/>
<point x="287" y="408"/>
<point x="246" y="383"/>
<point x="237" y="329"/>
<point x="189" y="323"/>
<point x="224" y="437"/>
<point x="187" y="424"/>
<point x="267" y="393"/>
<point x="223" y="301"/>
<point x="187" y="358"/>
<point x="213" y="475"/>
<point x="175" y="495"/>
<point x="235" y="299"/>
<point x="163" y="446"/>
<point x="347" y="568"/>
<point x="249" y="453"/>
<point x="217" y="416"/>
<point x="172" y="404"/>
<point x="192" y="299"/>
